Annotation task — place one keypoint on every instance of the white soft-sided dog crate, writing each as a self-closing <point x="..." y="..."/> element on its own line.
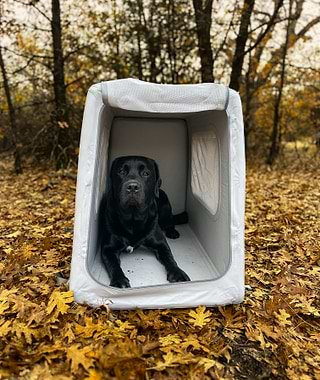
<point x="195" y="133"/>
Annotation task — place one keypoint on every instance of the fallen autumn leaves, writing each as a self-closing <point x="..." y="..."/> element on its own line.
<point x="274" y="334"/>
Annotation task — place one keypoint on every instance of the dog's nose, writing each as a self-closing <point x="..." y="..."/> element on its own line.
<point x="133" y="187"/>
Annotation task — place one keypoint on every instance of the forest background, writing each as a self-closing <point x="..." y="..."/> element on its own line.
<point x="51" y="52"/>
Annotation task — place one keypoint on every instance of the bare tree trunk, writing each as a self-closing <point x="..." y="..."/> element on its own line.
<point x="62" y="143"/>
<point x="152" y="38"/>
<point x="139" y="57"/>
<point x="118" y="66"/>
<point x="248" y="104"/>
<point x="141" y="30"/>
<point x="153" y="42"/>
<point x="275" y="136"/>
<point x="315" y="116"/>
<point x="238" y="57"/>
<point x="171" y="39"/>
<point x="12" y="117"/>
<point x="240" y="51"/>
<point x="203" y="13"/>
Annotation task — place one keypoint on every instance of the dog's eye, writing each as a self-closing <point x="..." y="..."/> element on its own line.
<point x="122" y="172"/>
<point x="145" y="173"/>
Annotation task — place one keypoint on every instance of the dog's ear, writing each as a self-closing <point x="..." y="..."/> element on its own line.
<point x="111" y="175"/>
<point x="158" y="180"/>
<point x="113" y="167"/>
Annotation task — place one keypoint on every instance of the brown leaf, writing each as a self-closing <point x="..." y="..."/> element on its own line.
<point x="80" y="356"/>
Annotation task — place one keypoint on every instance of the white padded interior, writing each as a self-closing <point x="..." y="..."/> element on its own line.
<point x="205" y="176"/>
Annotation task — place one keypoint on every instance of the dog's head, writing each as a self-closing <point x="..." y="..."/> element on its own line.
<point x="135" y="181"/>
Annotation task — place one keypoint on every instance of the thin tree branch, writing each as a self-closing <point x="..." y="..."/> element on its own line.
<point x="22" y="68"/>
<point x="31" y="4"/>
<point x="267" y="22"/>
<point x="28" y="55"/>
<point x="269" y="26"/>
<point x="67" y="56"/>
<point x="305" y="29"/>
<point x="225" y="37"/>
<point x="75" y="81"/>
<point x="32" y="57"/>
<point x="34" y="104"/>
<point x="35" y="27"/>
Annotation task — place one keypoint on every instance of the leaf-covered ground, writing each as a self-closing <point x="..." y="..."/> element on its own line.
<point x="273" y="334"/>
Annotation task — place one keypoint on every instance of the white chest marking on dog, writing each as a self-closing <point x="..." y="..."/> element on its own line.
<point x="129" y="249"/>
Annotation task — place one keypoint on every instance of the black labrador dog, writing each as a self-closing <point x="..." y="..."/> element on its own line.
<point x="135" y="212"/>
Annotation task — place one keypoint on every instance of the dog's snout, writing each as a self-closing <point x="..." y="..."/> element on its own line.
<point x="133" y="187"/>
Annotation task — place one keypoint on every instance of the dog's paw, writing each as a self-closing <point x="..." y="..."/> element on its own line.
<point x="177" y="275"/>
<point x="172" y="233"/>
<point x="122" y="282"/>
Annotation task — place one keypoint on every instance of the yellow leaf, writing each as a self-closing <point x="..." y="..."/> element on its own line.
<point x="199" y="317"/>
<point x="4" y="301"/>
<point x="77" y="356"/>
<point x="283" y="317"/>
<point x="206" y="363"/>
<point x="7" y="292"/>
<point x="28" y="251"/>
<point x="305" y="377"/>
<point x="69" y="335"/>
<point x="89" y="328"/>
<point x="314" y="271"/>
<point x="123" y="326"/>
<point x="14" y="234"/>
<point x="59" y="301"/>
<point x="169" y="340"/>
<point x="304" y="304"/>
<point x="269" y="332"/>
<point x="94" y="375"/>
<point x="5" y="327"/>
<point x="173" y="359"/>
<point x="22" y="305"/>
<point x="4" y="305"/>
<point x="254" y="334"/>
<point x="232" y="319"/>
<point x="42" y="372"/>
<point x="193" y="342"/>
<point x="8" y="250"/>
<point x="21" y="329"/>
<point x="258" y="293"/>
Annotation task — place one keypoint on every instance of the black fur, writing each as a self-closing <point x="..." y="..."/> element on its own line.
<point x="133" y="213"/>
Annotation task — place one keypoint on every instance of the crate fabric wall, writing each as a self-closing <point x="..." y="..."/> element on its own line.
<point x="195" y="132"/>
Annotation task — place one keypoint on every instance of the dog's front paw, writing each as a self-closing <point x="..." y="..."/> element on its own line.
<point x="122" y="282"/>
<point x="177" y="275"/>
<point x="172" y="233"/>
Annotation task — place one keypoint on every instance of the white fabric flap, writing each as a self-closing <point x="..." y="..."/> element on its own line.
<point x="136" y="95"/>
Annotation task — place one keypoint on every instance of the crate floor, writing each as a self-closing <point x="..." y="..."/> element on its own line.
<point x="143" y="269"/>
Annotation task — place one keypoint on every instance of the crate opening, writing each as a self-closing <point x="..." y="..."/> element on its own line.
<point x="192" y="151"/>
